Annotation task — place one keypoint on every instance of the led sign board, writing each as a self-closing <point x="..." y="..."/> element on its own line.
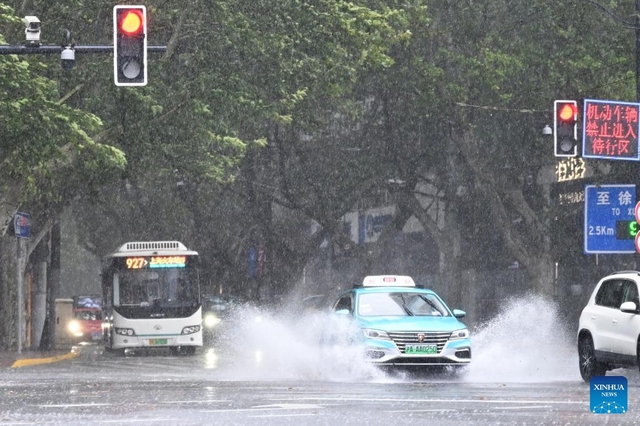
<point x="153" y="262"/>
<point x="610" y="130"/>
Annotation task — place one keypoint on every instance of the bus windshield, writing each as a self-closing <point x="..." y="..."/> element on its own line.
<point x="164" y="288"/>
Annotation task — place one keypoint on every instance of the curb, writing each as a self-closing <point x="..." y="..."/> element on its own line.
<point x="37" y="361"/>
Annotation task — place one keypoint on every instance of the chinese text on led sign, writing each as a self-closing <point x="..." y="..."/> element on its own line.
<point x="610" y="130"/>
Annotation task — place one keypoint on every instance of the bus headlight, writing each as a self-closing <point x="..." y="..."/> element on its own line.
<point x="191" y="329"/>
<point x="125" y="331"/>
<point x="210" y="320"/>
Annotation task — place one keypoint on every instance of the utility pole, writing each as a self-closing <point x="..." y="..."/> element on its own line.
<point x="637" y="28"/>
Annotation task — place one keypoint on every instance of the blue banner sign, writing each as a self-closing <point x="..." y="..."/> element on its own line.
<point x="22" y="225"/>
<point x="606" y="208"/>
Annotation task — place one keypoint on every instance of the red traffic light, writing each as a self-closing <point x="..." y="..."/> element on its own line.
<point x="130" y="45"/>
<point x="565" y="123"/>
<point x="567" y="112"/>
<point x="131" y="22"/>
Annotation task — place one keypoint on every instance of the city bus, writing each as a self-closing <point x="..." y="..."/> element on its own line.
<point x="151" y="298"/>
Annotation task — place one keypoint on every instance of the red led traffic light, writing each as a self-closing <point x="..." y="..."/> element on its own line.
<point x="565" y="123"/>
<point x="131" y="22"/>
<point x="130" y="45"/>
<point x="567" y="112"/>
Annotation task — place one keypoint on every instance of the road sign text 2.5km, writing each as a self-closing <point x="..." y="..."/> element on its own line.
<point x="601" y="230"/>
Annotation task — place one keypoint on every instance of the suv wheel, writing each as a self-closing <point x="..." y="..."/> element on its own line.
<point x="589" y="366"/>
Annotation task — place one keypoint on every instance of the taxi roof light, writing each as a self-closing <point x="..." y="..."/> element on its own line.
<point x="388" y="281"/>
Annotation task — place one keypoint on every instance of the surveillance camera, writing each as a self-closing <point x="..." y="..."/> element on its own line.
<point x="33" y="23"/>
<point x="32" y="32"/>
<point x="68" y="57"/>
<point x="546" y="131"/>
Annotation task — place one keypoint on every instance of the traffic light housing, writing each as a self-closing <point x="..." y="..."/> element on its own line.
<point x="565" y="124"/>
<point x="130" y="45"/>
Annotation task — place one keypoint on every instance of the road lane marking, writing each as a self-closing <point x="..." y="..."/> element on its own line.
<point x="17" y="423"/>
<point x="482" y="401"/>
<point x="440" y="410"/>
<point x="74" y="405"/>
<point x="192" y="402"/>
<point x="287" y="406"/>
<point x="154" y="420"/>
<point x="270" y="407"/>
<point x="284" y="415"/>
<point x="519" y="407"/>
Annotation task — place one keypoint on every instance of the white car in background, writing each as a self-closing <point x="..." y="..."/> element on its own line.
<point x="609" y="327"/>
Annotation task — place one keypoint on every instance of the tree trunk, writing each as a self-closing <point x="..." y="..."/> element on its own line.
<point x="10" y="198"/>
<point x="53" y="280"/>
<point x="529" y="244"/>
<point x="8" y="293"/>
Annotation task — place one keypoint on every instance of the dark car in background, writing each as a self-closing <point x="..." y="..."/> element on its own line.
<point x="215" y="315"/>
<point x="86" y="325"/>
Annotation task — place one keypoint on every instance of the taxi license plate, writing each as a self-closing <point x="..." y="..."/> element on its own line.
<point x="421" y="349"/>
<point x="154" y="342"/>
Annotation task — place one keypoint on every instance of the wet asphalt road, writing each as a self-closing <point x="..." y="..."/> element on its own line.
<point x="207" y="389"/>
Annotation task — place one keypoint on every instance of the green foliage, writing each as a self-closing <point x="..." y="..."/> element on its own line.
<point x="304" y="105"/>
<point x="39" y="134"/>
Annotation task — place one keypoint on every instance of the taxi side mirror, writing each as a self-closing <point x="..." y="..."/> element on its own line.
<point x="459" y="313"/>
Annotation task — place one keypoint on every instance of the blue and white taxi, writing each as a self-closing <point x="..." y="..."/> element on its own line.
<point x="403" y="324"/>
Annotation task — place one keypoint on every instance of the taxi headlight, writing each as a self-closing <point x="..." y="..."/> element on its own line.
<point x="460" y="334"/>
<point x="375" y="334"/>
<point x="74" y="327"/>
<point x="210" y="320"/>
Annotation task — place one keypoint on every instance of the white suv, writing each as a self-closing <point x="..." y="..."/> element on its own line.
<point x="609" y="329"/>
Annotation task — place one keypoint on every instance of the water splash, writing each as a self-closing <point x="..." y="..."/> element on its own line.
<point x="260" y="345"/>
<point x="526" y="342"/>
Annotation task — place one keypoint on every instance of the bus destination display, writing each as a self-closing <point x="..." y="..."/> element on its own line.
<point x="152" y="262"/>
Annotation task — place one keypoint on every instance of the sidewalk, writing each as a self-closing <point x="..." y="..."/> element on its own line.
<point x="29" y="357"/>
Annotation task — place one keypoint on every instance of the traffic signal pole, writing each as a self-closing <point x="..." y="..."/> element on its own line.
<point x="129" y="47"/>
<point x="52" y="48"/>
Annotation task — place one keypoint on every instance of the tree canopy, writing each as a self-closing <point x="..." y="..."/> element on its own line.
<point x="263" y="116"/>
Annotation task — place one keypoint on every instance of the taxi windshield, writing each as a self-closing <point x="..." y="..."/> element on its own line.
<point x="400" y="304"/>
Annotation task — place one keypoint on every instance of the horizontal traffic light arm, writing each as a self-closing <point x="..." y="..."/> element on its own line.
<point x="50" y="49"/>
